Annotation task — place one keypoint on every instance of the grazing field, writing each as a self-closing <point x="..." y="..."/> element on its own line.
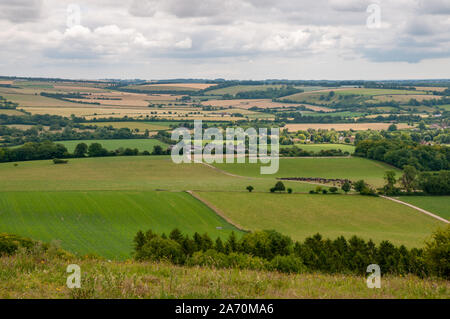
<point x="127" y="173"/>
<point x="439" y="205"/>
<point x="353" y="168"/>
<point x="302" y="215"/>
<point x="111" y="145"/>
<point x="104" y="223"/>
<point x="344" y="126"/>
<point x="320" y="147"/>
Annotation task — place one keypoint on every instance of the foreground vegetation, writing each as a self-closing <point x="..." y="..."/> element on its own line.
<point x="43" y="275"/>
<point x="270" y="250"/>
<point x="32" y="270"/>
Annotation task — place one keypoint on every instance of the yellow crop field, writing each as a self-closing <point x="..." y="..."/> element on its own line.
<point x="247" y="103"/>
<point x="344" y="126"/>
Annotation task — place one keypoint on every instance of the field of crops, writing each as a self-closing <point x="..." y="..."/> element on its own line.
<point x="104" y="223"/>
<point x="344" y="126"/>
<point x="302" y="215"/>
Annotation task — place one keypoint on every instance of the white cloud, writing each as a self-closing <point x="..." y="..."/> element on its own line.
<point x="228" y="32"/>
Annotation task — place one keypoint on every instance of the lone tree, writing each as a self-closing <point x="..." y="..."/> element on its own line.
<point x="279" y="187"/>
<point x="250" y="188"/>
<point x="390" y="179"/>
<point x="346" y="187"/>
<point x="408" y="179"/>
<point x="80" y="150"/>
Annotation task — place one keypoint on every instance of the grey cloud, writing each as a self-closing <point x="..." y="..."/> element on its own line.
<point x="19" y="11"/>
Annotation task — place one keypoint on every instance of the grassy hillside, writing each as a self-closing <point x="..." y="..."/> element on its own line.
<point x="302" y="215"/>
<point x="104" y="223"/>
<point x="140" y="144"/>
<point x="126" y="173"/>
<point x="439" y="205"/>
<point x="353" y="168"/>
<point x="45" y="277"/>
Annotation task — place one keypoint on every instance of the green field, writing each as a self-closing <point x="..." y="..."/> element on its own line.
<point x="319" y="147"/>
<point x="140" y="144"/>
<point x="353" y="168"/>
<point x="104" y="222"/>
<point x="302" y="215"/>
<point x="126" y="173"/>
<point x="439" y="205"/>
<point x="141" y="126"/>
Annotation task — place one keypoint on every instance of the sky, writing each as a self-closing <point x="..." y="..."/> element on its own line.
<point x="231" y="39"/>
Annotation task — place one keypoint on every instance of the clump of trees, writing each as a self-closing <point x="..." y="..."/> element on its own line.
<point x="279" y="187"/>
<point x="400" y="153"/>
<point x="270" y="250"/>
<point x="295" y="151"/>
<point x="49" y="150"/>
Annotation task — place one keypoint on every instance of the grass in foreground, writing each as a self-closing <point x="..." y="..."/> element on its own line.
<point x="44" y="276"/>
<point x="302" y="215"/>
<point x="104" y="223"/>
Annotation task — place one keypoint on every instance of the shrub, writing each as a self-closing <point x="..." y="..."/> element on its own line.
<point x="312" y="192"/>
<point x="288" y="264"/>
<point x="59" y="161"/>
<point x="250" y="188"/>
<point x="324" y="191"/>
<point x="333" y="190"/>
<point x="279" y="187"/>
<point x="159" y="249"/>
<point x="437" y="253"/>
<point x="289" y="190"/>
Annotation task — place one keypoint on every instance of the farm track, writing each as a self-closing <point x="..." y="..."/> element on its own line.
<point x="217" y="211"/>
<point x="417" y="208"/>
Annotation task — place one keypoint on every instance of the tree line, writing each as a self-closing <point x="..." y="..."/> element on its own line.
<point x="49" y="150"/>
<point x="270" y="250"/>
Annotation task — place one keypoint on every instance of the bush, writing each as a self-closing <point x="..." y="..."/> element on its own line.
<point x="312" y="192"/>
<point x="272" y="190"/>
<point x="289" y="190"/>
<point x="250" y="188"/>
<point x="333" y="190"/>
<point x="59" y="161"/>
<point x="158" y="249"/>
<point x="437" y="253"/>
<point x="324" y="191"/>
<point x="288" y="264"/>
<point x="10" y="243"/>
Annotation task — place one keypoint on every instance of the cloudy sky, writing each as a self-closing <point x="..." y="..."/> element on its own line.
<point x="232" y="39"/>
